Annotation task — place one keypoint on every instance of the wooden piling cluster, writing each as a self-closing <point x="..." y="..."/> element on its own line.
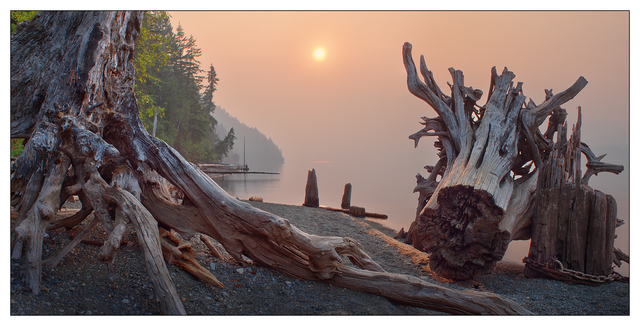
<point x="311" y="199"/>
<point x="573" y="224"/>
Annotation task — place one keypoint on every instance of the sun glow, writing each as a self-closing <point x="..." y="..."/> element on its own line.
<point x="319" y="54"/>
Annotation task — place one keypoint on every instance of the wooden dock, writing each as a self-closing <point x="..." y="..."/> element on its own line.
<point x="225" y="169"/>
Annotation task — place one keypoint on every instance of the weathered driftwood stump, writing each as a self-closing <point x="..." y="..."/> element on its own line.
<point x="573" y="225"/>
<point x="489" y="160"/>
<point x="311" y="198"/>
<point x="346" y="197"/>
<point x="72" y="97"/>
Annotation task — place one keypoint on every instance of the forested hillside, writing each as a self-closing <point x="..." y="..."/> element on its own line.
<point x="175" y="101"/>
<point x="262" y="153"/>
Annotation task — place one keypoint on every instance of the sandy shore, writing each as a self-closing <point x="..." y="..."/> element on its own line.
<point x="79" y="285"/>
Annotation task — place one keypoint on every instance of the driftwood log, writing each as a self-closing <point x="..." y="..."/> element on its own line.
<point x="489" y="163"/>
<point x="356" y="212"/>
<point x="72" y="97"/>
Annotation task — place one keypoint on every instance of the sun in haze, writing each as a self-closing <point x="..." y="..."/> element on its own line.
<point x="319" y="54"/>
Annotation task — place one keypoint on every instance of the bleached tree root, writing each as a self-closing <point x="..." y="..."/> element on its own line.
<point x="146" y="229"/>
<point x="71" y="221"/>
<point x="491" y="155"/>
<point x="412" y="291"/>
<point x="55" y="260"/>
<point x="31" y="230"/>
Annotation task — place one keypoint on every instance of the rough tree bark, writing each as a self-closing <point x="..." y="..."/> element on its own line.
<point x="72" y="96"/>
<point x="489" y="159"/>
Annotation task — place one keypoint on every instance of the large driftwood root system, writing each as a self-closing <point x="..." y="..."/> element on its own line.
<point x="72" y="96"/>
<point x="489" y="161"/>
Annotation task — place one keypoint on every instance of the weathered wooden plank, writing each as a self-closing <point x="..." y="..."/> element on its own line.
<point x="612" y="212"/>
<point x="596" y="238"/>
<point x="540" y="249"/>
<point x="579" y="225"/>
<point x="565" y="206"/>
<point x="552" y="230"/>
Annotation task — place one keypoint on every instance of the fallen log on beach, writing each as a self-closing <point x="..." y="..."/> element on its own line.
<point x="352" y="211"/>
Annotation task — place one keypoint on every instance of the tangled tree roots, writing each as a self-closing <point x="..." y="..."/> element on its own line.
<point x="72" y="96"/>
<point x="489" y="161"/>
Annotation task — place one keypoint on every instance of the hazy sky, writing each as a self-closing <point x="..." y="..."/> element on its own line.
<point x="358" y="96"/>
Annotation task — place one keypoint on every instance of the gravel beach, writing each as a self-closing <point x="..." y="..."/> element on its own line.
<point x="80" y="285"/>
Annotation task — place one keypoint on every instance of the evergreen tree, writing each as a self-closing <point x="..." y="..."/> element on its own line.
<point x="221" y="147"/>
<point x="224" y="146"/>
<point x="151" y="54"/>
<point x="168" y="91"/>
<point x="207" y="96"/>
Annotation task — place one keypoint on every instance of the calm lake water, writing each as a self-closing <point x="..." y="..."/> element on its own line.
<point x="380" y="193"/>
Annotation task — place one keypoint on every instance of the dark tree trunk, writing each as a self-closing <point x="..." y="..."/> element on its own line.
<point x="72" y="96"/>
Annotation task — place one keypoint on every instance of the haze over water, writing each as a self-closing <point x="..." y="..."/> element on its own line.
<point x="348" y="114"/>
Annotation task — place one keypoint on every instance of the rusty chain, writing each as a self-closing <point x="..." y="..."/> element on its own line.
<point x="555" y="269"/>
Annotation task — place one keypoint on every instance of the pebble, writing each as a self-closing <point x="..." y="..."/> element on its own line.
<point x="240" y="270"/>
<point x="212" y="266"/>
<point x="125" y="300"/>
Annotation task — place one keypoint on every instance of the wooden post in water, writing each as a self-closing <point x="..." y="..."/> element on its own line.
<point x="311" y="191"/>
<point x="346" y="197"/>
